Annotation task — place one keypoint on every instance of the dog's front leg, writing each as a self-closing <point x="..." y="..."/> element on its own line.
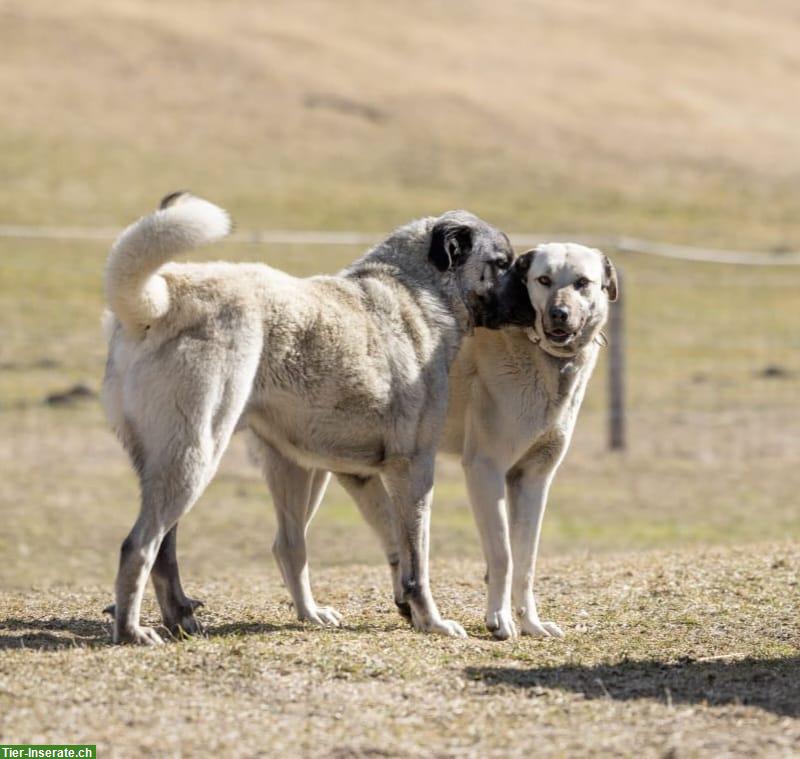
<point x="527" y="491"/>
<point x="409" y="483"/>
<point x="296" y="494"/>
<point x="486" y="487"/>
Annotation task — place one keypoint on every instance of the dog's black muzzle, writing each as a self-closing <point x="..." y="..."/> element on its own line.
<point x="507" y="302"/>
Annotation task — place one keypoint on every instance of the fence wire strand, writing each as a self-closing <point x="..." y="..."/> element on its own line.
<point x="522" y="239"/>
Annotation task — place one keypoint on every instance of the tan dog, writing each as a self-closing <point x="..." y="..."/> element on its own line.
<point x="346" y="373"/>
<point x="514" y="400"/>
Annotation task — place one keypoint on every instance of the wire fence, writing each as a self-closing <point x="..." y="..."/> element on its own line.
<point x="520" y="239"/>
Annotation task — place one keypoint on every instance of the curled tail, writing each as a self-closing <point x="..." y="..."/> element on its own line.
<point x="135" y="292"/>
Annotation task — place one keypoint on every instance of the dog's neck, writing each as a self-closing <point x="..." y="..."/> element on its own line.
<point x="411" y="269"/>
<point x="564" y="366"/>
<point x="580" y="355"/>
<point x="404" y="257"/>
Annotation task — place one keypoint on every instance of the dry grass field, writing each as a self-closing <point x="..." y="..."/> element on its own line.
<point x="672" y="566"/>
<point x="667" y="654"/>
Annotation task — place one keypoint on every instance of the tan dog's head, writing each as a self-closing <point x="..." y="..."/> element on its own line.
<point x="568" y="286"/>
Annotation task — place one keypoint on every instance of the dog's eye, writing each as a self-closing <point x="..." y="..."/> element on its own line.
<point x="581" y="283"/>
<point x="501" y="263"/>
<point x="545" y="281"/>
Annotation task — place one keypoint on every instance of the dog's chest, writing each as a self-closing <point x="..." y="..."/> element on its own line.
<point x="528" y="407"/>
<point x="520" y="398"/>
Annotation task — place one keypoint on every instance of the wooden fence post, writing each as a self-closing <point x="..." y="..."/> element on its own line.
<point x="616" y="371"/>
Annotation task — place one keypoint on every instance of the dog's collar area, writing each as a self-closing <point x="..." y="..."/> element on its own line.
<point x="532" y="335"/>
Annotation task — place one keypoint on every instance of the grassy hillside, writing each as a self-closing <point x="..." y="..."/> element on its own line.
<point x="669" y="119"/>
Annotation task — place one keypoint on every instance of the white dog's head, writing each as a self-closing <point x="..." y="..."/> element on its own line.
<point x="560" y="292"/>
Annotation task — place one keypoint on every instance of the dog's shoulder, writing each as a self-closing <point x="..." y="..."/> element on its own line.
<point x="396" y="281"/>
<point x="399" y="261"/>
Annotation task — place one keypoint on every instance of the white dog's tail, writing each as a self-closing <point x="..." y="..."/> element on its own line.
<point x="134" y="290"/>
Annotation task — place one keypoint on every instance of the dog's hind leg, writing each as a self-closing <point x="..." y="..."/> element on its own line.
<point x="319" y="484"/>
<point x="170" y="486"/>
<point x="181" y="436"/>
<point x="177" y="609"/>
<point x="296" y="493"/>
<point x="173" y="476"/>
<point x="373" y="502"/>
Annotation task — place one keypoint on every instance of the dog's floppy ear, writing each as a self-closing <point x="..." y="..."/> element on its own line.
<point x="610" y="279"/>
<point x="523" y="263"/>
<point x="451" y="244"/>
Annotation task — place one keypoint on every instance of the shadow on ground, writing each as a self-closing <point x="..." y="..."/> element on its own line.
<point x="770" y="684"/>
<point x="56" y="634"/>
<point x="53" y="634"/>
<point x="248" y="628"/>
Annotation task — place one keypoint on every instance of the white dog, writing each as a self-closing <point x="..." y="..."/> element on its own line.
<point x="514" y="401"/>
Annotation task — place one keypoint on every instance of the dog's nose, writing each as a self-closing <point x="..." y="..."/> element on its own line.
<point x="558" y="313"/>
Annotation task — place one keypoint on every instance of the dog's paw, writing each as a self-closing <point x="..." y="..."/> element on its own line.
<point x="324" y="616"/>
<point x="194" y="603"/>
<point x="447" y="627"/>
<point x="185" y="626"/>
<point x="500" y="623"/>
<point x="538" y="629"/>
<point x="181" y="621"/>
<point x="138" y="636"/>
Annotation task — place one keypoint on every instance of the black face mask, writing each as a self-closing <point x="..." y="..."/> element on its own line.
<point x="507" y="302"/>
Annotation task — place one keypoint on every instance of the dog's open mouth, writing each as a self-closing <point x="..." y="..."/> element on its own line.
<point x="560" y="336"/>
